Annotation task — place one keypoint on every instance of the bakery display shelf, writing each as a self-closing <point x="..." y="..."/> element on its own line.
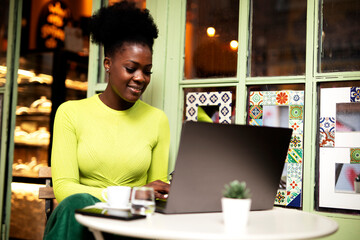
<point x="24" y="179"/>
<point x="34" y="84"/>
<point x="33" y="117"/>
<point x="33" y="145"/>
<point x="34" y="89"/>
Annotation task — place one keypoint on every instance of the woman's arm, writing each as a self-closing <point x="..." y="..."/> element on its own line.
<point x="64" y="163"/>
<point x="160" y="159"/>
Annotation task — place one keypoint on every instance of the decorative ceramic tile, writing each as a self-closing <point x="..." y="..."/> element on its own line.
<point x="296" y="141"/>
<point x="191" y="98"/>
<point x="282" y="98"/>
<point x="296" y="112"/>
<point x="293" y="184"/>
<point x="297" y="126"/>
<point x="221" y="99"/>
<point x="327" y="131"/>
<point x="203" y="99"/>
<point x="225" y="97"/>
<point x="296" y="98"/>
<point x="256" y="111"/>
<point x="269" y="98"/>
<point x="294" y="170"/>
<point x="327" y="139"/>
<point x="256" y="98"/>
<point x="225" y="114"/>
<point x="327" y="124"/>
<point x="354" y="155"/>
<point x="291" y="196"/>
<point x="295" y="101"/>
<point x="355" y="94"/>
<point x="280" y="198"/>
<point x="256" y="122"/>
<point x="191" y="112"/>
<point x="295" y="155"/>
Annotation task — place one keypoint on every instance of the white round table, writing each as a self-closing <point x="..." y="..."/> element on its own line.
<point x="277" y="223"/>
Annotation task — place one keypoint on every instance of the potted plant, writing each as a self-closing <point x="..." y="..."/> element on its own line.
<point x="236" y="203"/>
<point x="357" y="184"/>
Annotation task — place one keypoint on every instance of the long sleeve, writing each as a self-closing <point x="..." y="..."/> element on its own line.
<point x="65" y="168"/>
<point x="160" y="154"/>
<point x="95" y="147"/>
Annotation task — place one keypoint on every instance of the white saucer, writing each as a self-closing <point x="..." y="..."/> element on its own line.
<point x="105" y="205"/>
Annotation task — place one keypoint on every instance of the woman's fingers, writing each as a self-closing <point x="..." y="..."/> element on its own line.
<point x="161" y="188"/>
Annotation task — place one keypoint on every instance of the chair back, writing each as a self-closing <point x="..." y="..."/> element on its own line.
<point x="47" y="192"/>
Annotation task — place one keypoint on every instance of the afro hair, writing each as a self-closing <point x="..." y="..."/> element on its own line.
<point x="122" y="22"/>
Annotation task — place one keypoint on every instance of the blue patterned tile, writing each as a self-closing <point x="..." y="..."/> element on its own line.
<point x="296" y="98"/>
<point x="256" y="111"/>
<point x="355" y="94"/>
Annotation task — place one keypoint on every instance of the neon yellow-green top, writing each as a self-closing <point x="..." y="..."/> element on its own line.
<point x="95" y="147"/>
<point x="202" y="116"/>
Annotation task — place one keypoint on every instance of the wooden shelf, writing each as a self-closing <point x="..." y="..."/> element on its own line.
<point x="26" y="145"/>
<point x="24" y="179"/>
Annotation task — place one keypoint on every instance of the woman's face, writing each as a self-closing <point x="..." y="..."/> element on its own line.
<point x="129" y="71"/>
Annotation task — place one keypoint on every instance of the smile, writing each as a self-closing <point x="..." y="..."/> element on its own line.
<point x="136" y="89"/>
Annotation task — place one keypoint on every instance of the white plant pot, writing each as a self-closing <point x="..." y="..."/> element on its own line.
<point x="235" y="213"/>
<point x="357" y="186"/>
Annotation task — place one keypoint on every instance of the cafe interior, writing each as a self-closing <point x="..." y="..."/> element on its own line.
<point x="282" y="63"/>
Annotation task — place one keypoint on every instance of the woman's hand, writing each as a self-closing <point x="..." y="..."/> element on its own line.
<point x="161" y="188"/>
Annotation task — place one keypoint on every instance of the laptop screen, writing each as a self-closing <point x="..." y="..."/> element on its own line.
<point x="212" y="155"/>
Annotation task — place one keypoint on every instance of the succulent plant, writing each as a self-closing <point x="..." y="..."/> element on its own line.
<point x="236" y="189"/>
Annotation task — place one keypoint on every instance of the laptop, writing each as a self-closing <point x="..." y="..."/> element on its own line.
<point x="211" y="155"/>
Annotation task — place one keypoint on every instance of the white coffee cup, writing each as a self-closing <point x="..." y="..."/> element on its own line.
<point x="117" y="196"/>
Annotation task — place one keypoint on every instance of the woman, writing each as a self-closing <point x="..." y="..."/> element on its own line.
<point x="112" y="138"/>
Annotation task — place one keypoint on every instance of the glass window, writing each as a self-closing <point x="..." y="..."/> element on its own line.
<point x="338" y="141"/>
<point x="53" y="67"/>
<point x="139" y="3"/>
<point x="211" y="38"/>
<point x="278" y="38"/>
<point x="4" y="16"/>
<point x="339" y="36"/>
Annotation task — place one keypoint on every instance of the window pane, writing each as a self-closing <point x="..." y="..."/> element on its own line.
<point x="139" y="3"/>
<point x="53" y="67"/>
<point x="211" y="26"/>
<point x="340" y="38"/>
<point x="4" y="15"/>
<point x="278" y="37"/>
<point x="338" y="143"/>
